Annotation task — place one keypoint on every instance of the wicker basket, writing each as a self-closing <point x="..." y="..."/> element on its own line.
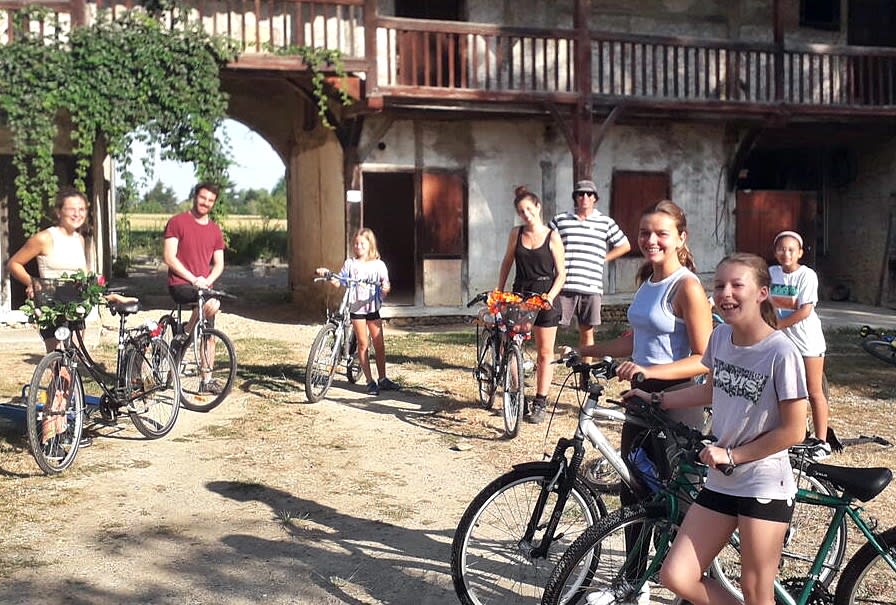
<point x="518" y="317"/>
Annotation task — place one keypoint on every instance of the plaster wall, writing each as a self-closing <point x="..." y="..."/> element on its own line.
<point x="499" y="155"/>
<point x="858" y="216"/>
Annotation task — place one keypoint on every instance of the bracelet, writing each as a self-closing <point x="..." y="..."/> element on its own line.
<point x="657" y="398"/>
<point x="730" y="457"/>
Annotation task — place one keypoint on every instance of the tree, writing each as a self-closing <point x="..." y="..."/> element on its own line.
<point x="161" y="199"/>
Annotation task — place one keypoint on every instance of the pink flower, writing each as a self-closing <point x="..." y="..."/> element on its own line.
<point x="101" y="280"/>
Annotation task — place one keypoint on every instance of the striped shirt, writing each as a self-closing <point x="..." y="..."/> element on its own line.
<point x="586" y="242"/>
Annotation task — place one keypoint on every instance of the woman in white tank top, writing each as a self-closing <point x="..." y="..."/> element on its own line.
<point x="59" y="249"/>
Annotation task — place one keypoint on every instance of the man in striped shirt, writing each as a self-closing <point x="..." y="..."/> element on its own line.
<point x="590" y="239"/>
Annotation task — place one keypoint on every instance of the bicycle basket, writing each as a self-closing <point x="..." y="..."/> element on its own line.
<point x="51" y="291"/>
<point x="518" y="317"/>
<point x="486" y="317"/>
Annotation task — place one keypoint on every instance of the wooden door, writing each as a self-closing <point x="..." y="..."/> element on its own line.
<point x="760" y="215"/>
<point x="442" y="236"/>
<point x="632" y="192"/>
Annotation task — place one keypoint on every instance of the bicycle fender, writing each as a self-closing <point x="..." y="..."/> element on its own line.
<point x="538" y="466"/>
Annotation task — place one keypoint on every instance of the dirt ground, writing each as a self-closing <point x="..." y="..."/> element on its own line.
<point x="267" y="499"/>
<point x="350" y="500"/>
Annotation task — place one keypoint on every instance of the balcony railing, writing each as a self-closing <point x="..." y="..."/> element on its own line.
<point x="468" y="61"/>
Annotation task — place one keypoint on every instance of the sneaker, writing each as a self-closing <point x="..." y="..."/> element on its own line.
<point x="387" y="385"/>
<point x="536" y="415"/>
<point x="211" y="386"/>
<point x="372" y="389"/>
<point x="821" y="451"/>
<point x="608" y="597"/>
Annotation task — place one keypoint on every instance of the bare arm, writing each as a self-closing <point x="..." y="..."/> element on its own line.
<point x="559" y="255"/>
<point x="697" y="395"/>
<point x="169" y="255"/>
<point x="507" y="262"/>
<point x="621" y="346"/>
<point x="34" y="247"/>
<point x="797" y="316"/>
<point x="217" y="266"/>
<point x="617" y="251"/>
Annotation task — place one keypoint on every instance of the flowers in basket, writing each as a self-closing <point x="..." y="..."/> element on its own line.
<point x="514" y="311"/>
<point x="67" y="298"/>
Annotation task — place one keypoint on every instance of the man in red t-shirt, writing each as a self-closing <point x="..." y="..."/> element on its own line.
<point x="194" y="253"/>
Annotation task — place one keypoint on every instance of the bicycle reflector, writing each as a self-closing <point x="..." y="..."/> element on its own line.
<point x="154" y="328"/>
<point x="62" y="333"/>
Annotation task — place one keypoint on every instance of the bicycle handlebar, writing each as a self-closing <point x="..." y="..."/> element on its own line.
<point x="214" y="293"/>
<point x="345" y="280"/>
<point x="605" y="368"/>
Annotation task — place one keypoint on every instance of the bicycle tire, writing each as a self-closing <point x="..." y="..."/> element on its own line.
<point x="489" y="561"/>
<point x="51" y="379"/>
<point x="867" y="578"/>
<point x="486" y="365"/>
<point x="880" y="349"/>
<point x="153" y="388"/>
<point x="514" y="390"/>
<point x="195" y="374"/>
<point x="598" y="561"/>
<point x="322" y="363"/>
<point x="353" y="369"/>
<point x="801" y="543"/>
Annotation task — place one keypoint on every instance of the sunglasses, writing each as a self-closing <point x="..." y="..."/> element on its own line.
<point x="584" y="193"/>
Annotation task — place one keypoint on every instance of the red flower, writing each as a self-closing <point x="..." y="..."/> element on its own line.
<point x="101" y="280"/>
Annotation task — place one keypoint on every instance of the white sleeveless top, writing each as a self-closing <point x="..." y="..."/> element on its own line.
<point x="67" y="255"/>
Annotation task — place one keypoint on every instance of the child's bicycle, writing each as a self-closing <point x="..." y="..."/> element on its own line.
<point x="879" y="344"/>
<point x="335" y="344"/>
<point x="503" y="325"/>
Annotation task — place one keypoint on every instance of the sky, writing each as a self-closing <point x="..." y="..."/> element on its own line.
<point x="256" y="166"/>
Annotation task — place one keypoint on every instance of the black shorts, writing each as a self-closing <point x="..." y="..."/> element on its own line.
<point x="746" y="506"/>
<point x="368" y="316"/>
<point x="184" y="294"/>
<point x="548" y="318"/>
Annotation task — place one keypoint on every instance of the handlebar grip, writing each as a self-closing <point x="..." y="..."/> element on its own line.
<point x="639" y="378"/>
<point x="726" y="469"/>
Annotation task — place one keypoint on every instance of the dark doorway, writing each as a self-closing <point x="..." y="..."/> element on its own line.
<point x="872" y="23"/>
<point x="389" y="210"/>
<point x="445" y="10"/>
<point x="632" y="192"/>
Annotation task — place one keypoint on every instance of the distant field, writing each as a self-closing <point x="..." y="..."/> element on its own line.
<point x="149" y="222"/>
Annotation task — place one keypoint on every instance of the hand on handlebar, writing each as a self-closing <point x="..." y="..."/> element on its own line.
<point x="202" y="282"/>
<point x="629" y="370"/>
<point x="716" y="457"/>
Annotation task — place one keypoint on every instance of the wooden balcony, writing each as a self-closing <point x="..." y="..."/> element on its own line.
<point x="439" y="63"/>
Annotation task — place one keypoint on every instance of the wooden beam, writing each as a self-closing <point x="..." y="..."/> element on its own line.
<point x="583" y="160"/>
<point x="605" y="126"/>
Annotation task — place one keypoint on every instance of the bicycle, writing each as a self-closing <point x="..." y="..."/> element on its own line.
<point x="599" y="564"/>
<point x="882" y="346"/>
<point x="503" y="325"/>
<point x="206" y="357"/>
<point x="518" y="526"/>
<point x="144" y="386"/>
<point x="334" y="345"/>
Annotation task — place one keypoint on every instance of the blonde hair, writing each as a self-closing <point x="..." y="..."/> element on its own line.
<point x="374" y="251"/>
<point x="763" y="279"/>
<point x="673" y="211"/>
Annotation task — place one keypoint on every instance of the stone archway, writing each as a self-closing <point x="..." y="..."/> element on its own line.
<point x="279" y="109"/>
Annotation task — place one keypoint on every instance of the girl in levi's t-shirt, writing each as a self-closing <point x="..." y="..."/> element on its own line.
<point x="794" y="295"/>
<point x="757" y="388"/>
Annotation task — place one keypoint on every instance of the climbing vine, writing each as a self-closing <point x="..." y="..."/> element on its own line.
<point x="147" y="75"/>
<point x="318" y="60"/>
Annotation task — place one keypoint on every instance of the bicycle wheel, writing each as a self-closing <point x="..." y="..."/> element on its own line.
<point x="490" y="561"/>
<point x="801" y="543"/>
<point x="207" y="370"/>
<point x="867" y="577"/>
<point x="881" y="349"/>
<point x="486" y="363"/>
<point x="54" y="413"/>
<point x="322" y="363"/>
<point x="600" y="568"/>
<point x="353" y="365"/>
<point x="514" y="390"/>
<point x="153" y="388"/>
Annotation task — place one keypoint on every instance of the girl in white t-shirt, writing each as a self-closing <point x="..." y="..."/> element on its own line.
<point x="364" y="306"/>
<point x="757" y="388"/>
<point x="794" y="295"/>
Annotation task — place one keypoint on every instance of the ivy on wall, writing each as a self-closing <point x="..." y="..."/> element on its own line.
<point x="148" y="75"/>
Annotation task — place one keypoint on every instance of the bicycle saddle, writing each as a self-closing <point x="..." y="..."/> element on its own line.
<point x="125" y="308"/>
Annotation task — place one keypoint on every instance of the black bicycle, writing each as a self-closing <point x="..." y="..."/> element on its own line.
<point x="879" y="344"/>
<point x="206" y="357"/>
<point x="145" y="386"/>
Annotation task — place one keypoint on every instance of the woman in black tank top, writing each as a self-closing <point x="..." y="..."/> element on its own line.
<point x="537" y="252"/>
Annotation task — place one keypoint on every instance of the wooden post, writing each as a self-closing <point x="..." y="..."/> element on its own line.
<point x="370" y="55"/>
<point x="79" y="13"/>
<point x="778" y="32"/>
<point x="583" y="158"/>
